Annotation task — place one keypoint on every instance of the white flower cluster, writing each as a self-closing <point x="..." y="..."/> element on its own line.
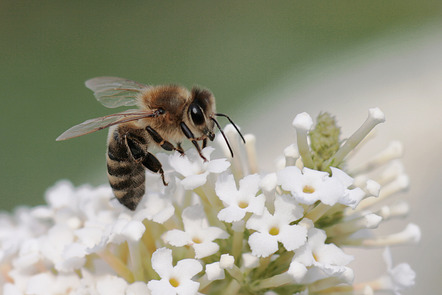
<point x="219" y="227"/>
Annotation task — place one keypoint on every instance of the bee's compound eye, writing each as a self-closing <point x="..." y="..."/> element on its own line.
<point x="196" y="114"/>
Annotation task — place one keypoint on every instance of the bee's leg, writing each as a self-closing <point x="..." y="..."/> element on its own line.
<point x="204" y="142"/>
<point x="191" y="137"/>
<point x="162" y="142"/>
<point x="152" y="163"/>
<point x="141" y="154"/>
<point x="179" y="148"/>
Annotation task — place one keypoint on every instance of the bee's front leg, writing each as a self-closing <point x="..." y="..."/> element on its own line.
<point x="192" y="138"/>
<point x="204" y="142"/>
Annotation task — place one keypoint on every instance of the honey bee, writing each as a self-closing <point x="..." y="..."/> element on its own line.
<point x="166" y="115"/>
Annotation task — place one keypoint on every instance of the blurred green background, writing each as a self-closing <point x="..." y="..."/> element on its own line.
<point x="235" y="48"/>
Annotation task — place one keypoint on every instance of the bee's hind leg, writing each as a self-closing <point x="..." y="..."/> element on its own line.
<point x="153" y="164"/>
<point x="141" y="155"/>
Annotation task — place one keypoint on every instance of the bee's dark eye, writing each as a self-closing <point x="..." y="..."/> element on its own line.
<point x="196" y="114"/>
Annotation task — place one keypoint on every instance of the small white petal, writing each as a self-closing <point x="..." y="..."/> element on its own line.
<point x="218" y="165"/>
<point x="256" y="205"/>
<point x="249" y="260"/>
<point x="187" y="268"/>
<point x="162" y="262"/>
<point x="161" y="287"/>
<point x="297" y="271"/>
<point x="10" y="289"/>
<point x="287" y="177"/>
<point x="40" y="283"/>
<point x="231" y="214"/>
<point x="249" y="185"/>
<point x="187" y="288"/>
<point x="137" y="288"/>
<point x="205" y="249"/>
<point x="111" y="285"/>
<point x="214" y="272"/>
<point x="74" y="257"/>
<point x="177" y="238"/>
<point x="345" y="179"/>
<point x="193" y="181"/>
<point x="292" y="236"/>
<point x="226" y="261"/>
<point x="269" y="182"/>
<point x="134" y="230"/>
<point x="158" y="208"/>
<point x="193" y="216"/>
<point x="373" y="188"/>
<point x="376" y="114"/>
<point x="303" y="121"/>
<point x="263" y="245"/>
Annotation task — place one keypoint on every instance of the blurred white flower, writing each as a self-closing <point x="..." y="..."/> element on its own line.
<point x="194" y="169"/>
<point x="197" y="233"/>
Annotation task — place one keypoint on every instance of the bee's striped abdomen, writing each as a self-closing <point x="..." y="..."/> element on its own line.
<point x="126" y="176"/>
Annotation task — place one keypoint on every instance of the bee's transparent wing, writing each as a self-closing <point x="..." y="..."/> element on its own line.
<point x="96" y="124"/>
<point x="115" y="92"/>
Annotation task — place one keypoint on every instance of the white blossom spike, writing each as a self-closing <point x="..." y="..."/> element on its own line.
<point x="275" y="232"/>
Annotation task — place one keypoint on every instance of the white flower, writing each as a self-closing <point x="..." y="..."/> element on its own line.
<point x="266" y="231"/>
<point x="319" y="259"/>
<point x="174" y="279"/>
<point x="239" y="201"/>
<point x="50" y="284"/>
<point x="309" y="186"/>
<point x="194" y="169"/>
<point x="157" y="207"/>
<point x="274" y="228"/>
<point x="214" y="272"/>
<point x="401" y="276"/>
<point x="197" y="233"/>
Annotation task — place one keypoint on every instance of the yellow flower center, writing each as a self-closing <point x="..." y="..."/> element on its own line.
<point x="196" y="240"/>
<point x="274" y="231"/>
<point x="308" y="189"/>
<point x="174" y="282"/>
<point x="243" y="204"/>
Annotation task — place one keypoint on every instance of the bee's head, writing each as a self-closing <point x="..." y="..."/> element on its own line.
<point x="201" y="111"/>
<point x="202" y="115"/>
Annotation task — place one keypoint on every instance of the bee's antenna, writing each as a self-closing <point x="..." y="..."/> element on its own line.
<point x="225" y="138"/>
<point x="234" y="125"/>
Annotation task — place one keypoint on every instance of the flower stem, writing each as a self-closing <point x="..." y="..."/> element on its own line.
<point x="135" y="257"/>
<point x="117" y="265"/>
<point x="375" y="117"/>
<point x="237" y="243"/>
<point x="275" y="281"/>
<point x="232" y="288"/>
<point x="148" y="239"/>
<point x="317" y="212"/>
